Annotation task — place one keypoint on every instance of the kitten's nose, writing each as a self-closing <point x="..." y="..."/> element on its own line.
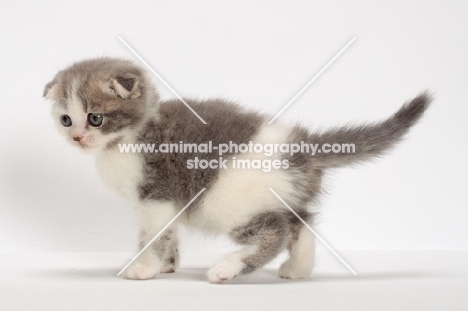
<point x="77" y="138"/>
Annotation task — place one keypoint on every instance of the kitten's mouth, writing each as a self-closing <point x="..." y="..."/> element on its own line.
<point x="86" y="146"/>
<point x="83" y="145"/>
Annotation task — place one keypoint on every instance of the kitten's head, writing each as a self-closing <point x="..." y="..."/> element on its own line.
<point x="98" y="102"/>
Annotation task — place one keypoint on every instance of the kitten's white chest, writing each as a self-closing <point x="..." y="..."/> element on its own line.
<point x="121" y="171"/>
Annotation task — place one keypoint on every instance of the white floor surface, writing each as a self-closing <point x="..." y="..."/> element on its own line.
<point x="413" y="280"/>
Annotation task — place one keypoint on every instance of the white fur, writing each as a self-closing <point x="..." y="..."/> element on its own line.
<point x="75" y="110"/>
<point x="147" y="266"/>
<point x="225" y="270"/>
<point x="240" y="193"/>
<point x="301" y="257"/>
<point x="152" y="217"/>
<point x="229" y="267"/>
<point x="121" y="171"/>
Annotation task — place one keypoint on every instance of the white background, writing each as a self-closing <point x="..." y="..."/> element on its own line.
<point x="259" y="54"/>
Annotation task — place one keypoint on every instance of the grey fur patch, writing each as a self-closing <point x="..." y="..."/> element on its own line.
<point x="166" y="174"/>
<point x="370" y="140"/>
<point x="295" y="225"/>
<point x="93" y="77"/>
<point x="116" y="120"/>
<point x="269" y="232"/>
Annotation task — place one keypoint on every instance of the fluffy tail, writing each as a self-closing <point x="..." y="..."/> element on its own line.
<point x="369" y="140"/>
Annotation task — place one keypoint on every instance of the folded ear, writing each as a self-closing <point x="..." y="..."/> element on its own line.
<point x="50" y="90"/>
<point x="126" y="85"/>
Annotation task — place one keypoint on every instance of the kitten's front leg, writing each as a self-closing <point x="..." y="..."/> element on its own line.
<point x="152" y="217"/>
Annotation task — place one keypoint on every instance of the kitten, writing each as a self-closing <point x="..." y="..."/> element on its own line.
<point x="100" y="104"/>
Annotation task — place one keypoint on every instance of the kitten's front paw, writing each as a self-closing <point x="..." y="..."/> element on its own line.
<point x="139" y="271"/>
<point x="223" y="271"/>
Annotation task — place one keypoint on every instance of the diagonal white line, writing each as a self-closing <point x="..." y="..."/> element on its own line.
<point x="313" y="79"/>
<point x="160" y="232"/>
<point x="313" y="231"/>
<point x="161" y="79"/>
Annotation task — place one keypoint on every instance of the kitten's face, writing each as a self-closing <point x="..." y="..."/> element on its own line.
<point x="97" y="103"/>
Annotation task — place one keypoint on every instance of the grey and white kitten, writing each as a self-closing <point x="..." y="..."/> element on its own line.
<point x="100" y="103"/>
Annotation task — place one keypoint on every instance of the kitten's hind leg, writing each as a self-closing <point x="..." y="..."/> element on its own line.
<point x="263" y="238"/>
<point x="301" y="255"/>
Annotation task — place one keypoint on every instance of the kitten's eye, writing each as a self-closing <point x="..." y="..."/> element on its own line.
<point x="65" y="120"/>
<point x="95" y="119"/>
